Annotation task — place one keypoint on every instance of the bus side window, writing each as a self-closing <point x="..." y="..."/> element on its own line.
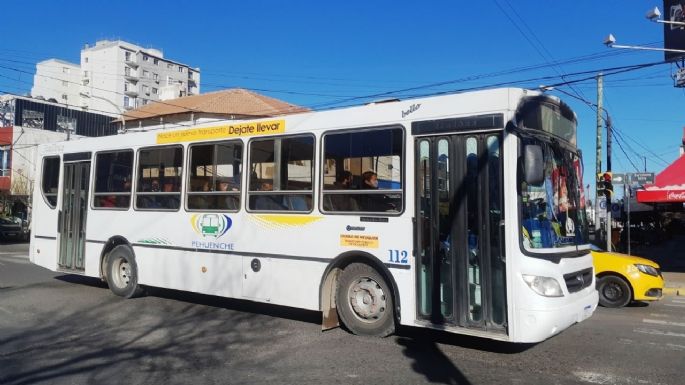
<point x="159" y="176"/>
<point x="285" y="182"/>
<point x="363" y="171"/>
<point x="50" y="180"/>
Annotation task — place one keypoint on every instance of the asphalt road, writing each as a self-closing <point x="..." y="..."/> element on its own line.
<point x="65" y="329"/>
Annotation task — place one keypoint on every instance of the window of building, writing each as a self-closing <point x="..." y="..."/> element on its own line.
<point x="281" y="174"/>
<point x="180" y="69"/>
<point x="146" y="73"/>
<point x="159" y="178"/>
<point x="64" y="97"/>
<point x="154" y="91"/>
<point x="169" y="80"/>
<point x="32" y="119"/>
<point x="127" y="71"/>
<point x="85" y="59"/>
<point x="169" y="66"/>
<point x="155" y="77"/>
<point x="127" y="55"/>
<point x="65" y="83"/>
<point x="66" y="123"/>
<point x="146" y="58"/>
<point x="146" y="89"/>
<point x="5" y="160"/>
<point x="362" y="171"/>
<point x="155" y="61"/>
<point x="214" y="176"/>
<point x="113" y="172"/>
<point x="127" y="101"/>
<point x="65" y="70"/>
<point x="145" y="101"/>
<point x="85" y="73"/>
<point x="50" y="180"/>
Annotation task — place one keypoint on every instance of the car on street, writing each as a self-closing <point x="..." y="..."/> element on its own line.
<point x="13" y="228"/>
<point x="623" y="278"/>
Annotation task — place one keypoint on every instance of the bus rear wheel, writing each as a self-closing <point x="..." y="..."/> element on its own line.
<point x="364" y="301"/>
<point x="122" y="272"/>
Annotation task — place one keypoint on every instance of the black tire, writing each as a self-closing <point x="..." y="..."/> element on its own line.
<point x="122" y="272"/>
<point x="364" y="301"/>
<point x="614" y="291"/>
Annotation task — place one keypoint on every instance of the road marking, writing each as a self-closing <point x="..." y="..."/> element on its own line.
<point x="655" y="332"/>
<point x="601" y="378"/>
<point x="5" y="310"/>
<point x="659" y="315"/>
<point x="671" y="305"/>
<point x="678" y="301"/>
<point x="662" y="322"/>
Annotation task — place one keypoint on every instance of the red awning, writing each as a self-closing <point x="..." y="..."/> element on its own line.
<point x="668" y="187"/>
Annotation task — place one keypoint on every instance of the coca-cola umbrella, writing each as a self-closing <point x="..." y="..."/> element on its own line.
<point x="668" y="187"/>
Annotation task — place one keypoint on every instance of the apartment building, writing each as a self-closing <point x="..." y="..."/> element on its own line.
<point x="115" y="76"/>
<point x="57" y="81"/>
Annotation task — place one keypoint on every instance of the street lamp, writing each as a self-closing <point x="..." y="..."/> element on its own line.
<point x="655" y="16"/>
<point x="610" y="41"/>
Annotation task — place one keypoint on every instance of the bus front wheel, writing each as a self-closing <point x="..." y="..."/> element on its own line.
<point x="122" y="272"/>
<point x="364" y="301"/>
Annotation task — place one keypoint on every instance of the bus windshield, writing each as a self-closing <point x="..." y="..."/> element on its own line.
<point x="553" y="213"/>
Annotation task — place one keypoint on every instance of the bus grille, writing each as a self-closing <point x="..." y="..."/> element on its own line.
<point x="578" y="280"/>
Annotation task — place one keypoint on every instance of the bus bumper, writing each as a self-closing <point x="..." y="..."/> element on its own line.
<point x="538" y="325"/>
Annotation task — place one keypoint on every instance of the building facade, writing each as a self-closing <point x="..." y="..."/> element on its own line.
<point x="26" y="123"/>
<point x="115" y="76"/>
<point x="57" y="81"/>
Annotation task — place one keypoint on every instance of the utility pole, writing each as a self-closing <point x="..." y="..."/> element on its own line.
<point x="608" y="194"/>
<point x="598" y="159"/>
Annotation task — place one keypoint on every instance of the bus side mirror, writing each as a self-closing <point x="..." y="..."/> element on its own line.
<point x="533" y="165"/>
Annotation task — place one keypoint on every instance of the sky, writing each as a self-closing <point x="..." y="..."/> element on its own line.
<point x="323" y="54"/>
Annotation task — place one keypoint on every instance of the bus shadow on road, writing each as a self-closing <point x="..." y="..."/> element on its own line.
<point x="278" y="311"/>
<point x="461" y="340"/>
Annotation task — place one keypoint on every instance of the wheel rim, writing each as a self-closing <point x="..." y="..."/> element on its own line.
<point x="367" y="300"/>
<point x="613" y="292"/>
<point x="121" y="273"/>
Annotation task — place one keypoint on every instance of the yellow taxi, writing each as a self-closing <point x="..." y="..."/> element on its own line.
<point x="622" y="278"/>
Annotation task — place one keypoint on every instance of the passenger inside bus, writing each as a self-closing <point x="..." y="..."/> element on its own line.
<point x="373" y="202"/>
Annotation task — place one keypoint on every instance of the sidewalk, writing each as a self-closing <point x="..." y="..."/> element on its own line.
<point x="670" y="255"/>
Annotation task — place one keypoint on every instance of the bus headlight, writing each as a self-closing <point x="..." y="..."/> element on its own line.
<point x="545" y="286"/>
<point x="647" y="269"/>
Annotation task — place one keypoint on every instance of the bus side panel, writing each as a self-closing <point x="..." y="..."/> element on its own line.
<point x="208" y="273"/>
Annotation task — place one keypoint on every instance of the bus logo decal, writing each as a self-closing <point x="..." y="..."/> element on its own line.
<point x="211" y="225"/>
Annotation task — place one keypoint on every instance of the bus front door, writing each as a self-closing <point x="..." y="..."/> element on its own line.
<point x="72" y="218"/>
<point x="459" y="238"/>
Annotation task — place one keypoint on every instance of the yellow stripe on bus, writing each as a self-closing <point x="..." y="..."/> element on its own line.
<point x="222" y="132"/>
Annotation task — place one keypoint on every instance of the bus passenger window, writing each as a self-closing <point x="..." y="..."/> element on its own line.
<point x="113" y="172"/>
<point x="50" y="180"/>
<point x="215" y="176"/>
<point x="281" y="174"/>
<point x="363" y="171"/>
<point x="159" y="178"/>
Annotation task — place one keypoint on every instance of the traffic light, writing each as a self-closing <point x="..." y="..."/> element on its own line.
<point x="608" y="186"/>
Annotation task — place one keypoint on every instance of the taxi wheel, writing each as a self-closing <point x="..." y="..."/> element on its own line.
<point x="613" y="291"/>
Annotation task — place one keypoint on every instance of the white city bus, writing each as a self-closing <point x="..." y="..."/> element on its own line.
<point x="463" y="213"/>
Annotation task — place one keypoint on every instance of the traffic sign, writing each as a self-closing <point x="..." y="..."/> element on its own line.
<point x="642" y="177"/>
<point x="615" y="210"/>
<point x="618" y="178"/>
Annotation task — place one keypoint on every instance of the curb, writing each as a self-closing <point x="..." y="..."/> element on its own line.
<point x="679" y="291"/>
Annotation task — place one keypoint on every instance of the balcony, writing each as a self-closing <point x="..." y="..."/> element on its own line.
<point x="131" y="92"/>
<point x="131" y="76"/>
<point x="131" y="61"/>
